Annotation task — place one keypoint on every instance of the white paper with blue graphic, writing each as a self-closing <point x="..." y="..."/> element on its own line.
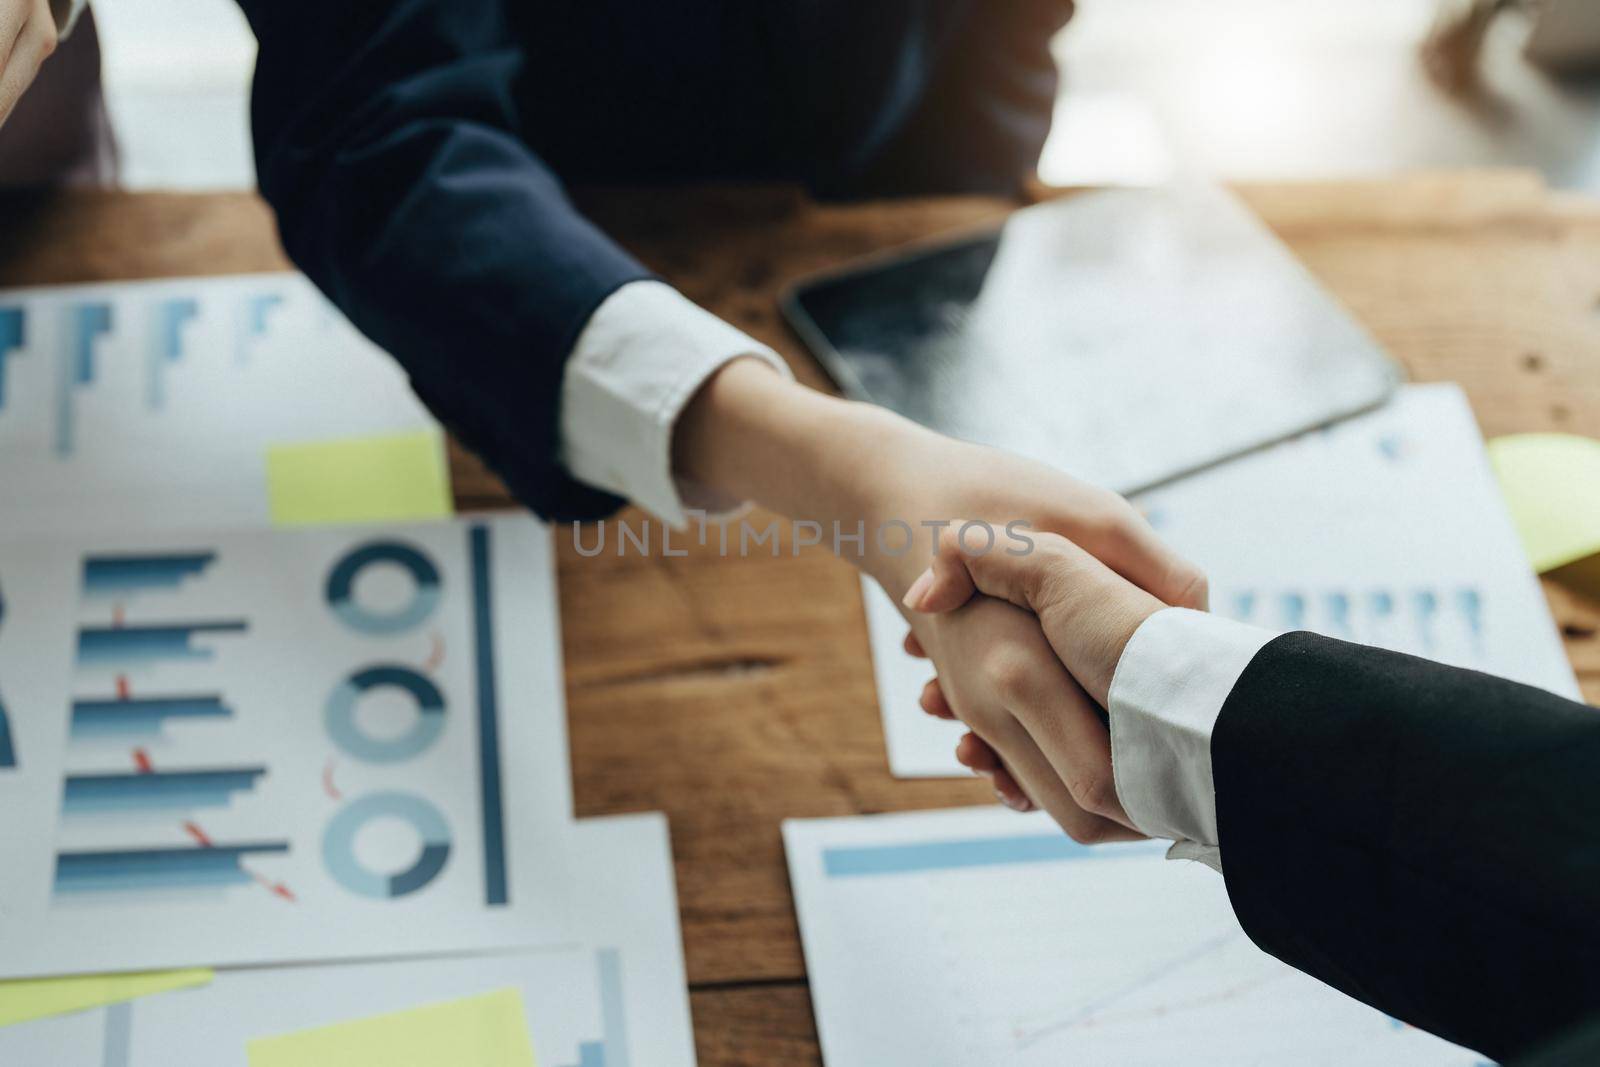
<point x="616" y="997"/>
<point x="280" y="746"/>
<point x="147" y="405"/>
<point x="978" y="936"/>
<point x="1386" y="529"/>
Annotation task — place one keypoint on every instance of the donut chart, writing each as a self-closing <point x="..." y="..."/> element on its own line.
<point x="343" y="727"/>
<point x="341" y="594"/>
<point x="339" y="853"/>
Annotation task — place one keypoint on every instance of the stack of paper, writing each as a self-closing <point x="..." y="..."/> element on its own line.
<point x="332" y="761"/>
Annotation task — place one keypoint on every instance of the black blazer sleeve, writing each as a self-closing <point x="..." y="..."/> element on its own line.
<point x="386" y="141"/>
<point x="1425" y="839"/>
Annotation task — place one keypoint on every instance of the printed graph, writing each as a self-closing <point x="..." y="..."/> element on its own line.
<point x="152" y="790"/>
<point x="252" y="320"/>
<point x="342" y="593"/>
<point x="1148" y="997"/>
<point x="124" y="576"/>
<point x="963" y="937"/>
<point x="165" y="346"/>
<point x="8" y="750"/>
<point x="126" y="649"/>
<point x="1447" y="622"/>
<point x="82" y="326"/>
<point x="116" y="804"/>
<point x="154" y="335"/>
<point x="206" y="866"/>
<point x="13" y="335"/>
<point x="140" y="720"/>
<point x="339" y="844"/>
<point x="612" y="1048"/>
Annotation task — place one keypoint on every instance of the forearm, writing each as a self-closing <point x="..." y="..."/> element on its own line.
<point x="806" y="455"/>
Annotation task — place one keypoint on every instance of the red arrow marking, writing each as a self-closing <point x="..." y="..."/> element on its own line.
<point x="123" y="691"/>
<point x="141" y="760"/>
<point x="277" y="889"/>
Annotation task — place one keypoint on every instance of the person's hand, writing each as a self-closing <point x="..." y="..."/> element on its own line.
<point x="753" y="435"/>
<point x="945" y="478"/>
<point x="27" y="37"/>
<point x="1087" y="614"/>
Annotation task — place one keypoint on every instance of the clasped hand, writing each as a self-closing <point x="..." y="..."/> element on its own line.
<point x="1031" y="691"/>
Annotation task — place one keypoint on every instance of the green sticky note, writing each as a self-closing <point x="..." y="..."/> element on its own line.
<point x="489" y="1030"/>
<point x="1551" y="482"/>
<point x="394" y="477"/>
<point x="36" y="998"/>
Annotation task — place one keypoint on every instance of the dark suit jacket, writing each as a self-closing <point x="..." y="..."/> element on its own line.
<point x="415" y="150"/>
<point x="1424" y="838"/>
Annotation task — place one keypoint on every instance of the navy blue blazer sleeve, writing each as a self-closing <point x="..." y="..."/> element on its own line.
<point x="386" y="141"/>
<point x="1425" y="838"/>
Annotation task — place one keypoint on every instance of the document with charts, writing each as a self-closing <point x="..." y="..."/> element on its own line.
<point x="272" y="746"/>
<point x="978" y="936"/>
<point x="141" y="405"/>
<point x="614" y="997"/>
<point x="1386" y="529"/>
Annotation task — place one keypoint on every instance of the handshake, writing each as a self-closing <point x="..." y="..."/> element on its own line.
<point x="1026" y="647"/>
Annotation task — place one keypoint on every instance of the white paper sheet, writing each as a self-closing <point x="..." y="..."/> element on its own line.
<point x="1386" y="529"/>
<point x="978" y="936"/>
<point x="614" y="998"/>
<point x="281" y="746"/>
<point x="145" y="405"/>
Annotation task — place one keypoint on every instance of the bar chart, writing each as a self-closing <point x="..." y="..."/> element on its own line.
<point x="148" y="397"/>
<point x="124" y="576"/>
<point x="211" y="866"/>
<point x="166" y="791"/>
<point x="269" y="745"/>
<point x="140" y="720"/>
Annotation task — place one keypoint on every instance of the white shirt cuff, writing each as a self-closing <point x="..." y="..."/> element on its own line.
<point x="644" y="353"/>
<point x="1166" y="694"/>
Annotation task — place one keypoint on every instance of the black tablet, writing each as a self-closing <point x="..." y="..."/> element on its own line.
<point x="1128" y="336"/>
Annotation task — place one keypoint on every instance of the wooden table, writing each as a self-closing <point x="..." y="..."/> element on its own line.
<point x="733" y="693"/>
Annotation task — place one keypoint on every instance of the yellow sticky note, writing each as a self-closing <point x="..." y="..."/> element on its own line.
<point x="489" y="1030"/>
<point x="35" y="998"/>
<point x="1551" y="483"/>
<point x="394" y="477"/>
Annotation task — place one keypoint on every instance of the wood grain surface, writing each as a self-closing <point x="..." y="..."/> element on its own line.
<point x="733" y="693"/>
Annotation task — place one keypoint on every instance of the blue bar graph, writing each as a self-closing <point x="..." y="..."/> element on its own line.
<point x="613" y="1016"/>
<point x="13" y="335"/>
<point x="8" y="751"/>
<point x="252" y="322"/>
<point x="167" y="320"/>
<point x="117" y="577"/>
<point x="95" y="794"/>
<point x="130" y="647"/>
<point x="494" y="834"/>
<point x="84" y="323"/>
<point x="915" y="856"/>
<point x="141" y="719"/>
<point x="612" y="1048"/>
<point x="178" y="868"/>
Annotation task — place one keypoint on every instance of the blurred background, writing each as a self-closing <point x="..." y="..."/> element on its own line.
<point x="1237" y="89"/>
